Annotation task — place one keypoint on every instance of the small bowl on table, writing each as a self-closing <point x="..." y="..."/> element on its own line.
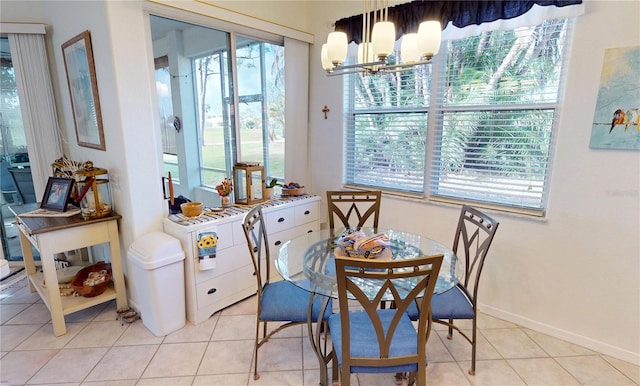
<point x="191" y="209"/>
<point x="293" y="192"/>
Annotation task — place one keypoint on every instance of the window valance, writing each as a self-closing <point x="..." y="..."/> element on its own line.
<point x="407" y="17"/>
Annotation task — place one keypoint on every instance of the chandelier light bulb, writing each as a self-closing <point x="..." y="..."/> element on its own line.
<point x="365" y="53"/>
<point x="383" y="38"/>
<point x="326" y="63"/>
<point x="337" y="45"/>
<point x="409" y="48"/>
<point x="429" y="35"/>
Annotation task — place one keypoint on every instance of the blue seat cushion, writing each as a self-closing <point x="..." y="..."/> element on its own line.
<point x="451" y="304"/>
<point x="364" y="343"/>
<point x="283" y="301"/>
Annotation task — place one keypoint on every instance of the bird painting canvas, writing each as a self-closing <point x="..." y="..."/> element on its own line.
<point x="615" y="121"/>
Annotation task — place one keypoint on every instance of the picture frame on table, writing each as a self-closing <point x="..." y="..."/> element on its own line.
<point x="57" y="194"/>
<point x="83" y="91"/>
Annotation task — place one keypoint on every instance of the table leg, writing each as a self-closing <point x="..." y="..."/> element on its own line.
<point x="315" y="338"/>
<point x="116" y="266"/>
<point x="51" y="279"/>
<point x="27" y="257"/>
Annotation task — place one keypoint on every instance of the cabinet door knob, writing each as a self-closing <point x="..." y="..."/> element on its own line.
<point x="278" y="242"/>
<point x="281" y="219"/>
<point x="212" y="290"/>
<point x="306" y="212"/>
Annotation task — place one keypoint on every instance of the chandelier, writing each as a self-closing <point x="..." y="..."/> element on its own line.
<point x="378" y="40"/>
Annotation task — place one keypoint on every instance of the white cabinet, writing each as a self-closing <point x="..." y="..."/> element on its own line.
<point x="232" y="279"/>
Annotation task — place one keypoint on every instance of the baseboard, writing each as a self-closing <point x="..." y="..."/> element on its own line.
<point x="592" y="344"/>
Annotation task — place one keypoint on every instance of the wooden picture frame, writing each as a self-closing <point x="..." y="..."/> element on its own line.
<point x="83" y="91"/>
<point x="57" y="194"/>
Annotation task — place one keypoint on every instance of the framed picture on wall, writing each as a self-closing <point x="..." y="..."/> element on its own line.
<point x="615" y="120"/>
<point x="57" y="194"/>
<point x="83" y="91"/>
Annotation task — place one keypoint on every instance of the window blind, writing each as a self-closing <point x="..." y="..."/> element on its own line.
<point x="476" y="125"/>
<point x="501" y="92"/>
<point x="385" y="141"/>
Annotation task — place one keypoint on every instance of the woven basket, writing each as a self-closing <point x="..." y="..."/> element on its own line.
<point x="293" y="192"/>
<point x="89" y="291"/>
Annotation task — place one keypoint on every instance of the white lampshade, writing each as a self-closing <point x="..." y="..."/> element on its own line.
<point x="365" y="49"/>
<point x="409" y="48"/>
<point x="337" y="45"/>
<point x="326" y="63"/>
<point x="429" y="36"/>
<point x="383" y="38"/>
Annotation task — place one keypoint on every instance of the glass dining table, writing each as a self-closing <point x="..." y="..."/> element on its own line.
<point x="308" y="261"/>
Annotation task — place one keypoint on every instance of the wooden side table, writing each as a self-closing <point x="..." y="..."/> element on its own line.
<point x="51" y="235"/>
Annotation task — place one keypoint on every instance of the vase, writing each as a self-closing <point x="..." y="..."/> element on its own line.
<point x="268" y="193"/>
<point x="225" y="201"/>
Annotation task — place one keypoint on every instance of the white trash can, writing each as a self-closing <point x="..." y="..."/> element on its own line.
<point x="156" y="282"/>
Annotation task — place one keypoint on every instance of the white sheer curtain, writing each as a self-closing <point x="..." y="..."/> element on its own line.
<point x="37" y="103"/>
<point x="536" y="15"/>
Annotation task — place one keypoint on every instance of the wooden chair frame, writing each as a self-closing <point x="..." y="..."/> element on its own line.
<point x="351" y="273"/>
<point x="258" y="244"/>
<point x="364" y="205"/>
<point x="474" y="235"/>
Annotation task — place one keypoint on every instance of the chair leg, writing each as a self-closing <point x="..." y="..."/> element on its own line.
<point x="450" y="334"/>
<point x="256" y="376"/>
<point x="345" y="376"/>
<point x="335" y="369"/>
<point x="472" y="370"/>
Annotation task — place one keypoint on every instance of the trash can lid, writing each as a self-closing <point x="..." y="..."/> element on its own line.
<point x="155" y="249"/>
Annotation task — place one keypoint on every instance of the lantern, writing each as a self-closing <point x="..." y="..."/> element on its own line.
<point x="248" y="183"/>
<point x="94" y="192"/>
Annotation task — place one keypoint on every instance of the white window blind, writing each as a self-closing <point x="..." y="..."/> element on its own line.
<point x="497" y="115"/>
<point x="386" y="138"/>
<point x="493" y="100"/>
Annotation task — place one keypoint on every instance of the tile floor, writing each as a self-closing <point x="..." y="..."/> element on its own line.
<point x="98" y="350"/>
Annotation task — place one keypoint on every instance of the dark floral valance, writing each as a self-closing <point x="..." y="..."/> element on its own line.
<point x="407" y="17"/>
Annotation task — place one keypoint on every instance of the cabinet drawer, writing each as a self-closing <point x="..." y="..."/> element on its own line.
<point x="279" y="220"/>
<point x="216" y="289"/>
<point x="306" y="213"/>
<point x="228" y="260"/>
<point x="224" y="232"/>
<point x="278" y="239"/>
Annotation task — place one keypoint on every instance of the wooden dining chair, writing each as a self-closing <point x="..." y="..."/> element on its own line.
<point x="473" y="237"/>
<point x="374" y="340"/>
<point x="279" y="301"/>
<point x="354" y="208"/>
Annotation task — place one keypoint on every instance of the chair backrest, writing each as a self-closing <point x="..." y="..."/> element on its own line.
<point x="354" y="208"/>
<point x="24" y="184"/>
<point x="473" y="238"/>
<point x="368" y="281"/>
<point x="258" y="244"/>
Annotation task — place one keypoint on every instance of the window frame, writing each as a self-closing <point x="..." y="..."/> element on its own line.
<point x="192" y="183"/>
<point x="437" y="110"/>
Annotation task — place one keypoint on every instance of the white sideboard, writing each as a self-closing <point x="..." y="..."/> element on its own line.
<point x="232" y="279"/>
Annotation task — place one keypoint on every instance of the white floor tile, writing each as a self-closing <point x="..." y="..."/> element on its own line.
<point x="99" y="350"/>
<point x="69" y="365"/>
<point x="176" y="359"/>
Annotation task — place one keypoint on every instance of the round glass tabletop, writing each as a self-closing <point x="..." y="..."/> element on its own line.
<point x="308" y="261"/>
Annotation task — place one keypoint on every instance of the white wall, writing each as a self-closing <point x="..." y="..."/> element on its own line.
<point x="575" y="274"/>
